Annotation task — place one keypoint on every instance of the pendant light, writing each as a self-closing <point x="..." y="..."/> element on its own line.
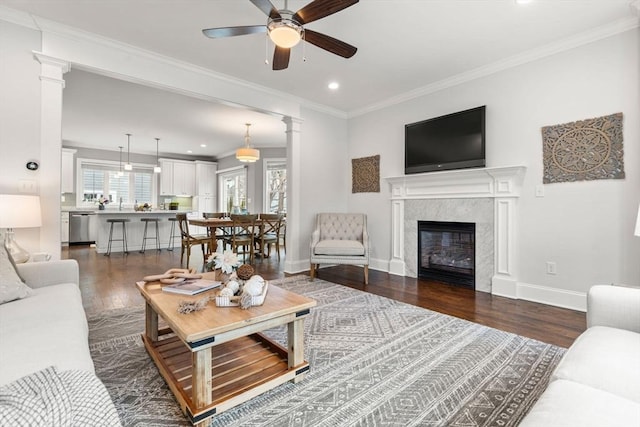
<point x="247" y="154"/>
<point x="128" y="166"/>
<point x="156" y="168"/>
<point x="120" y="173"/>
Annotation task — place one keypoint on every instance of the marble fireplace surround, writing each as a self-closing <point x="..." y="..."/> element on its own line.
<point x="486" y="196"/>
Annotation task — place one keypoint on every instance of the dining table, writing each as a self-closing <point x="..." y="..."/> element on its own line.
<point x="212" y="224"/>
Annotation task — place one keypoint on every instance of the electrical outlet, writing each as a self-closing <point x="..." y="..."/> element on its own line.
<point x="551" y="267"/>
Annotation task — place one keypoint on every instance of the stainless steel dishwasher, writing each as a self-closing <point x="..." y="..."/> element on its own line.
<point x="79" y="227"/>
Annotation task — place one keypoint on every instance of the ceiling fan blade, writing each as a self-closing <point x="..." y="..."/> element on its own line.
<point x="216" y="33"/>
<point x="281" y="58"/>
<point x="330" y="44"/>
<point x="320" y="8"/>
<point x="267" y="8"/>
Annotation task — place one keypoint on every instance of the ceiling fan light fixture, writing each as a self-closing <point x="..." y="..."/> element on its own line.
<point x="247" y="154"/>
<point x="284" y="32"/>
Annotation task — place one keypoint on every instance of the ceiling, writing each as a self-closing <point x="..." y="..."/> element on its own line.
<point x="403" y="46"/>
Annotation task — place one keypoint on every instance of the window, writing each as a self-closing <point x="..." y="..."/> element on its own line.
<point x="232" y="187"/>
<point x="100" y="178"/>
<point x="275" y="185"/>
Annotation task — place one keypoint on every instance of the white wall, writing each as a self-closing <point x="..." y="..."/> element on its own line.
<point x="585" y="227"/>
<point x="324" y="176"/>
<point x="20" y="117"/>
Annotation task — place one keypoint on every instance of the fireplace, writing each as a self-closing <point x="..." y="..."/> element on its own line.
<point x="446" y="252"/>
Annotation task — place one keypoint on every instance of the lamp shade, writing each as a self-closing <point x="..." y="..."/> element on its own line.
<point x="247" y="154"/>
<point x="19" y="211"/>
<point x="637" y="231"/>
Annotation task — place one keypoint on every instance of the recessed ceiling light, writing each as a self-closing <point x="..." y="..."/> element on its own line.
<point x="523" y="1"/>
<point x="203" y="145"/>
<point x="189" y="151"/>
<point x="333" y="85"/>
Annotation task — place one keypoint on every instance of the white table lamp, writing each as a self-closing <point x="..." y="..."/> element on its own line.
<point x="18" y="211"/>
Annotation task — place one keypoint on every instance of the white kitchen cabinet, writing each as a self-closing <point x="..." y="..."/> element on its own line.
<point x="184" y="178"/>
<point x="177" y="177"/>
<point x="64" y="227"/>
<point x="166" y="177"/>
<point x="66" y="170"/>
<point x="206" y="178"/>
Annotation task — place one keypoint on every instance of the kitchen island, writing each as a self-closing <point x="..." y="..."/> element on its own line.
<point x="135" y="229"/>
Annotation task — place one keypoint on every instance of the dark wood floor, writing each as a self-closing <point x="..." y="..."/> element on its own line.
<point x="108" y="282"/>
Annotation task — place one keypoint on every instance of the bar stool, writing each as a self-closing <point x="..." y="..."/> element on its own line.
<point x="172" y="233"/>
<point x="122" y="221"/>
<point x="145" y="237"/>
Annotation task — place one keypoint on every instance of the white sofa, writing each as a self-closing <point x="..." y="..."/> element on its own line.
<point x="597" y="382"/>
<point x="44" y="349"/>
<point x="46" y="328"/>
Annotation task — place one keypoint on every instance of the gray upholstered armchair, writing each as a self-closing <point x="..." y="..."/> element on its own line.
<point x="340" y="238"/>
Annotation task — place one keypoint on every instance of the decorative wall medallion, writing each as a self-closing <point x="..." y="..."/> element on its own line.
<point x="365" y="175"/>
<point x="583" y="150"/>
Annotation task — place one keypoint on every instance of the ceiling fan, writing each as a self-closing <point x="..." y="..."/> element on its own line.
<point x="286" y="29"/>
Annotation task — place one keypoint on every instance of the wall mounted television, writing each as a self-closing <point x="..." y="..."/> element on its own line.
<point x="454" y="141"/>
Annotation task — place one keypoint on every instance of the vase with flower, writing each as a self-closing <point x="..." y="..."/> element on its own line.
<point x="102" y="201"/>
<point x="223" y="264"/>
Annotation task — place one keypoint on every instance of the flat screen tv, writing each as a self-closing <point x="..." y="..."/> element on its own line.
<point x="454" y="141"/>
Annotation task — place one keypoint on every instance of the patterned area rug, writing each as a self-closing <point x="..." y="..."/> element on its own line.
<point x="374" y="362"/>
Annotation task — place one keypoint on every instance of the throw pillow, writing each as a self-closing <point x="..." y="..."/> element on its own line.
<point x="11" y="286"/>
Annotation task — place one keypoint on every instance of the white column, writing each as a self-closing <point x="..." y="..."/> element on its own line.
<point x="51" y="86"/>
<point x="504" y="280"/>
<point x="396" y="263"/>
<point x="294" y="194"/>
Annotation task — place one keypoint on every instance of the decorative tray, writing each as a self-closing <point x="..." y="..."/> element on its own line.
<point x="222" y="301"/>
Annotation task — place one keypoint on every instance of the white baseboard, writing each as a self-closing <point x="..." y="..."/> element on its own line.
<point x="296" y="267"/>
<point x="506" y="287"/>
<point x="379" y="265"/>
<point x="552" y="296"/>
<point x="500" y="286"/>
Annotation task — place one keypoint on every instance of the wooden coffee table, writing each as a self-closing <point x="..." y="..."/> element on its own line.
<point x="217" y="358"/>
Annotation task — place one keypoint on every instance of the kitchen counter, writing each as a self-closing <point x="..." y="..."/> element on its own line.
<point x="132" y="212"/>
<point x="135" y="229"/>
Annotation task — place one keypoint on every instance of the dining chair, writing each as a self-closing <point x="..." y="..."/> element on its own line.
<point x="221" y="232"/>
<point x="243" y="235"/>
<point x="269" y="234"/>
<point x="189" y="240"/>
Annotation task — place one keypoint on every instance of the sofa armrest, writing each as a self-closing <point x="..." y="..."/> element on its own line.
<point x="40" y="274"/>
<point x="614" y="306"/>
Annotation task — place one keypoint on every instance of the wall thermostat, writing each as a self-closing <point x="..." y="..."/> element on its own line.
<point x="32" y="166"/>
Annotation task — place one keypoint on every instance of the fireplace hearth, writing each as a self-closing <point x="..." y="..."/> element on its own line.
<point x="446" y="252"/>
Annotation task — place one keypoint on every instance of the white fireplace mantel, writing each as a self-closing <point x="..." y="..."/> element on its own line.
<point x="462" y="183"/>
<point x="503" y="184"/>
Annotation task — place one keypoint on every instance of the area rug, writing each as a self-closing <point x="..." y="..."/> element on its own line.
<point x="374" y="362"/>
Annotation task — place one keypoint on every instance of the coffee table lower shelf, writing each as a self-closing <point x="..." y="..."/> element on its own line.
<point x="241" y="369"/>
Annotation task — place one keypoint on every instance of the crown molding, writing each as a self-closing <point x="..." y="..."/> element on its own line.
<point x="18" y="17"/>
<point x="75" y="34"/>
<point x="590" y="36"/>
<point x="581" y="39"/>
